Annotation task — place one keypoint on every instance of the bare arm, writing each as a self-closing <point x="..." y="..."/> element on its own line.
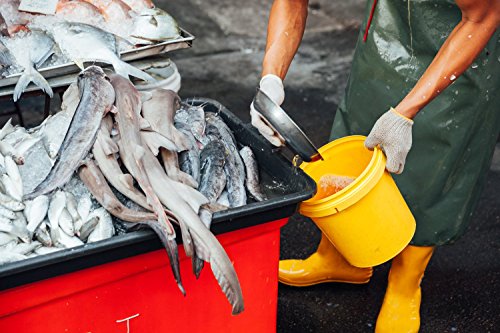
<point x="286" y="26"/>
<point x="480" y="19"/>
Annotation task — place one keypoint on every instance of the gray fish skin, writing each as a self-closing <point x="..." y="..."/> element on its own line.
<point x="128" y="103"/>
<point x="172" y="168"/>
<point x="189" y="160"/>
<point x="94" y="180"/>
<point x="159" y="110"/>
<point x="97" y="97"/>
<point x="194" y="117"/>
<point x="234" y="167"/>
<point x="223" y="199"/>
<point x="213" y="178"/>
<point x="252" y="174"/>
<point x="36" y="48"/>
<point x="82" y="42"/>
<point x="87" y="228"/>
<point x="109" y="166"/>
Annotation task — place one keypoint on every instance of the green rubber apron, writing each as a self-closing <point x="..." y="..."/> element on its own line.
<point x="453" y="137"/>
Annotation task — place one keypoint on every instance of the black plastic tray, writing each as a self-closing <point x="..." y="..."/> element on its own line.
<point x="285" y="186"/>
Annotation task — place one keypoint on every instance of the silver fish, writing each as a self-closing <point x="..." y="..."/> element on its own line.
<point x="35" y="211"/>
<point x="8" y="257"/>
<point x="72" y="207"/>
<point x="87" y="228"/>
<point x="82" y="42"/>
<point x="104" y="228"/>
<point x="234" y="167"/>
<point x="7" y="213"/>
<point x="6" y="149"/>
<point x="67" y="241"/>
<point x="46" y="250"/>
<point x="213" y="178"/>
<point x="56" y="206"/>
<point x="30" y="51"/>
<point x="189" y="160"/>
<point x="42" y="235"/>
<point x="13" y="172"/>
<point x="66" y="223"/>
<point x="155" y="25"/>
<point x="26" y="248"/>
<point x="21" y="227"/>
<point x="6" y="238"/>
<point x="252" y="174"/>
<point x="11" y="189"/>
<point x="194" y="117"/>
<point x="97" y="98"/>
<point x="84" y="206"/>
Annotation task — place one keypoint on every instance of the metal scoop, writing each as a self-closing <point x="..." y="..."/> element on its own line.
<point x="294" y="137"/>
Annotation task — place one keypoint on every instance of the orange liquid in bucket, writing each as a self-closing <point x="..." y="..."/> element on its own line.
<point x="330" y="184"/>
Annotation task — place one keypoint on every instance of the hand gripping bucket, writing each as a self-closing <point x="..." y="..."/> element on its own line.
<point x="368" y="221"/>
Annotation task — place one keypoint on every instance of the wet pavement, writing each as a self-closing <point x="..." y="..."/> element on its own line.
<point x="460" y="288"/>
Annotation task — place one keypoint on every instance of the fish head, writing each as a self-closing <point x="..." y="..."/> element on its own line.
<point x="155" y="24"/>
<point x="92" y="71"/>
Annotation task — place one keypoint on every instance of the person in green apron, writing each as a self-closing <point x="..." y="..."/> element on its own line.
<point x="424" y="87"/>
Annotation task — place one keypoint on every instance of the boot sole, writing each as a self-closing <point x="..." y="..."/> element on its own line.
<point x="307" y="284"/>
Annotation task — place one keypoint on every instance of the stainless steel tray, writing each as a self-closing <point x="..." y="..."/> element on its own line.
<point x="185" y="41"/>
<point x="60" y="82"/>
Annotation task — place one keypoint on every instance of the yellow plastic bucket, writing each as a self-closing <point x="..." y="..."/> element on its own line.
<point x="368" y="221"/>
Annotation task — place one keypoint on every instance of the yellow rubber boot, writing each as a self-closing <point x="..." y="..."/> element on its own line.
<point x="400" y="312"/>
<point x="325" y="265"/>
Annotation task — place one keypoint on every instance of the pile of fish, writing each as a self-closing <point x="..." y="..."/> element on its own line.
<point x="80" y="31"/>
<point x="168" y="162"/>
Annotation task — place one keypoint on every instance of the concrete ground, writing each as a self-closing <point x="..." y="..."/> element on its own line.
<point x="460" y="289"/>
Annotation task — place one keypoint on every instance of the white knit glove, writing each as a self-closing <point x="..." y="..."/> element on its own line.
<point x="392" y="132"/>
<point x="272" y="86"/>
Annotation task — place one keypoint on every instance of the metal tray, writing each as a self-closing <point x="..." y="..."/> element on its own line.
<point x="285" y="185"/>
<point x="185" y="41"/>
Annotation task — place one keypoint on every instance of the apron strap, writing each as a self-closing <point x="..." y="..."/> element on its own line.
<point x="369" y="20"/>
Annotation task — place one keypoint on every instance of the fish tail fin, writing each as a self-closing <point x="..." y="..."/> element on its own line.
<point x="187" y="179"/>
<point x="180" y="140"/>
<point x="31" y="75"/>
<point x="171" y="247"/>
<point x="192" y="197"/>
<point x="126" y="70"/>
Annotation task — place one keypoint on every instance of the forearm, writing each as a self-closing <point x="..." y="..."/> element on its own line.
<point x="286" y="26"/>
<point x="463" y="45"/>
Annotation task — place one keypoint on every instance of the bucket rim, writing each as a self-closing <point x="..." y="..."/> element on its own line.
<point x="352" y="193"/>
